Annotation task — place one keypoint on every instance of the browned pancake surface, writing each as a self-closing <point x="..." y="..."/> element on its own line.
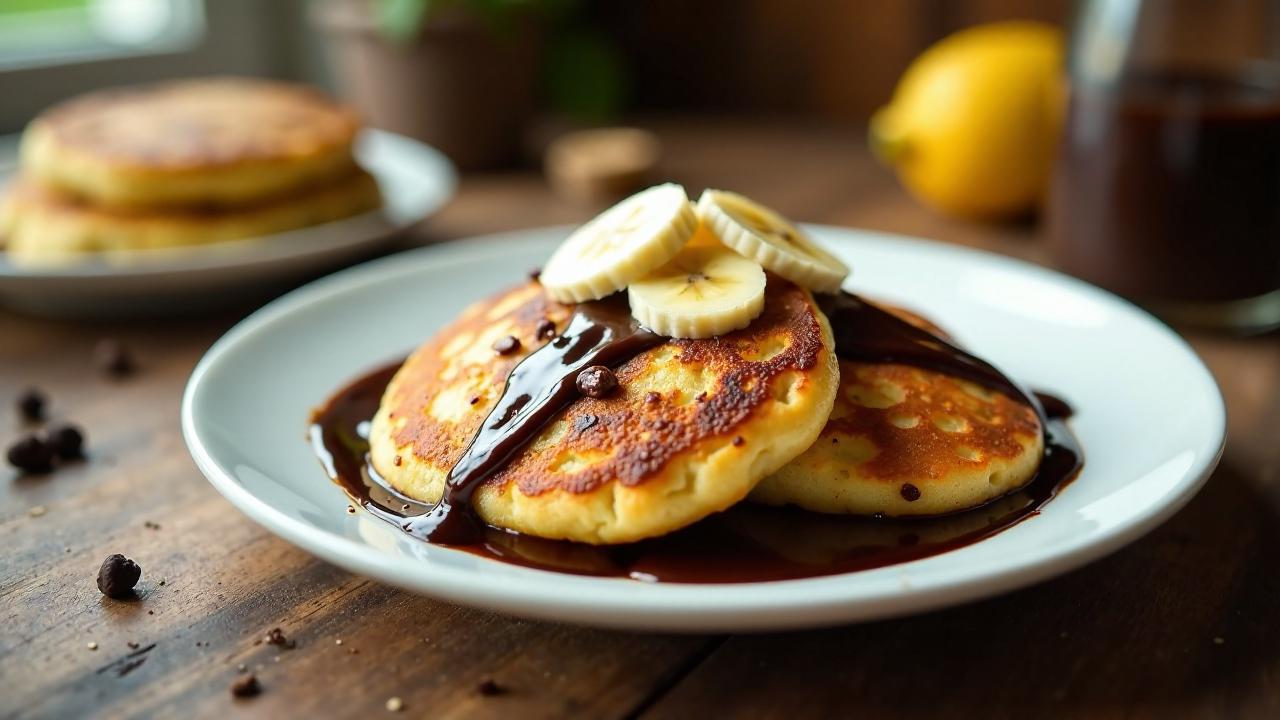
<point x="670" y="398"/>
<point x="198" y="124"/>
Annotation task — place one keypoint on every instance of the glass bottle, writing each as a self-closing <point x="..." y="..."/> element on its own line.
<point x="1167" y="186"/>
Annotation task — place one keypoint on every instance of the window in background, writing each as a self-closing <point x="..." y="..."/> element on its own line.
<point x="45" y="32"/>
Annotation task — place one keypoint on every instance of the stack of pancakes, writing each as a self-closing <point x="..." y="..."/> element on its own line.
<point x="179" y="164"/>
<point x="767" y="414"/>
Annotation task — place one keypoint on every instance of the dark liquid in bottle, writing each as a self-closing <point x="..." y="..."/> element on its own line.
<point x="1168" y="188"/>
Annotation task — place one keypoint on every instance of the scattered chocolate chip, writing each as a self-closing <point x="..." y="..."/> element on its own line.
<point x="535" y="274"/>
<point x="597" y="381"/>
<point x="66" y="441"/>
<point x="31" y="455"/>
<point x="584" y="422"/>
<point x="351" y="510"/>
<point x="397" y="461"/>
<point x="246" y="686"/>
<point x="489" y="688"/>
<point x="113" y="358"/>
<point x="151" y="525"/>
<point x="475" y="399"/>
<point x="31" y="405"/>
<point x="909" y="492"/>
<point x="652" y="397"/>
<point x="405" y="507"/>
<point x="275" y="636"/>
<point x="738" y="441"/>
<point x="117" y="576"/>
<point x="702" y="396"/>
<point x="506" y="345"/>
<point x="545" y="330"/>
<point x="132" y="645"/>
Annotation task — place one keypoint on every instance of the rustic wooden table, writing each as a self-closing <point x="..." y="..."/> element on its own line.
<point x="1185" y="622"/>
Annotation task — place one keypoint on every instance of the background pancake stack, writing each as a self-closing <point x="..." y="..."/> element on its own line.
<point x="180" y="164"/>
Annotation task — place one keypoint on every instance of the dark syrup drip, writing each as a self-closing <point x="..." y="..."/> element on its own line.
<point x="865" y="333"/>
<point x="542" y="385"/>
<point x="743" y="544"/>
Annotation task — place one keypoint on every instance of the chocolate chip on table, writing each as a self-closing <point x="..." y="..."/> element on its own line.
<point x="117" y="576"/>
<point x="597" y="381"/>
<point x="113" y="358"/>
<point x="31" y="455"/>
<point x="246" y="686"/>
<point x="275" y="636"/>
<point x="489" y="688"/>
<point x="909" y="492"/>
<point x="506" y="345"/>
<point x="66" y="441"/>
<point x="545" y="330"/>
<point x="31" y="405"/>
<point x="535" y="274"/>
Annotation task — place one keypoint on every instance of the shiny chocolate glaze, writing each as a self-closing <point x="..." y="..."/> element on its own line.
<point x="743" y="544"/>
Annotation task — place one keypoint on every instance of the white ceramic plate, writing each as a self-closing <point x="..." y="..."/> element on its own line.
<point x="1148" y="449"/>
<point x="415" y="181"/>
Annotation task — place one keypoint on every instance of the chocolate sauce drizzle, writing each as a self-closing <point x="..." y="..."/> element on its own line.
<point x="866" y="333"/>
<point x="723" y="548"/>
<point x="543" y="384"/>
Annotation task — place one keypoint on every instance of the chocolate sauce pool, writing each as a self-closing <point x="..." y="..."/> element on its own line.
<point x="742" y="544"/>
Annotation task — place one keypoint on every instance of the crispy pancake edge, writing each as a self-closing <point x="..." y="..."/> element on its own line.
<point x="683" y="470"/>
<point x="59" y="150"/>
<point x="959" y="445"/>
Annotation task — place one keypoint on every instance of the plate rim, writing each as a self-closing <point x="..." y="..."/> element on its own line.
<point x="680" y="607"/>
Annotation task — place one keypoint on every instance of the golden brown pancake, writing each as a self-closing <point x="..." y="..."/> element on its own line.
<point x="205" y="142"/>
<point x="903" y="441"/>
<point x="43" y="228"/>
<point x="694" y="425"/>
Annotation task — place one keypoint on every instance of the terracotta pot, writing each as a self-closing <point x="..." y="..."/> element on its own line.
<point x="461" y="86"/>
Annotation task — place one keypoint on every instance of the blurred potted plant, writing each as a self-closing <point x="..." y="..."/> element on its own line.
<point x="461" y="75"/>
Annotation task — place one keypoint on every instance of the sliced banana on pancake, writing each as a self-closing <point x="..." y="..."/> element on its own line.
<point x="622" y="244"/>
<point x="760" y="234"/>
<point x="704" y="291"/>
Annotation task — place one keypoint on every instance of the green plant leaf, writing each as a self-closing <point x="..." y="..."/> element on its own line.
<point x="401" y="20"/>
<point x="585" y="76"/>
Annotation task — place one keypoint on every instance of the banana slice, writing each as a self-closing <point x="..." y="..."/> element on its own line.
<point x="762" y="235"/>
<point x="620" y="245"/>
<point x="704" y="291"/>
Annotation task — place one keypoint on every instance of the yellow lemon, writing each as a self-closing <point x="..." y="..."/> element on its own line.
<point x="973" y="123"/>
